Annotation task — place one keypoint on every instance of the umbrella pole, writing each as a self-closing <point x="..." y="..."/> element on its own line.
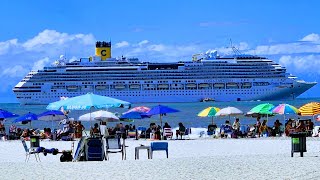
<point x="212" y="120"/>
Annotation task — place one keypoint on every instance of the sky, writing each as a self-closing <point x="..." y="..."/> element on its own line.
<point x="34" y="34"/>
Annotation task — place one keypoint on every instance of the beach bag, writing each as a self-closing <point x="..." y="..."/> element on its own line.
<point x="66" y="157"/>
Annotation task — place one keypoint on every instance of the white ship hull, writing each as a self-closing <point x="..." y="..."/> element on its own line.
<point x="235" y="78"/>
<point x="162" y="96"/>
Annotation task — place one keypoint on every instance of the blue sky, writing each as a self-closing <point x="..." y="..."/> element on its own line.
<point x="35" y="33"/>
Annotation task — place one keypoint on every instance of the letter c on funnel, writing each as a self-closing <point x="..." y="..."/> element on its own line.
<point x="103" y="53"/>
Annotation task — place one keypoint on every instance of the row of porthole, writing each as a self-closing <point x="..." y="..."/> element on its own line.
<point x="156" y="94"/>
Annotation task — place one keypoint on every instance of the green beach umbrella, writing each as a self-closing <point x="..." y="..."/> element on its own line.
<point x="209" y="112"/>
<point x="261" y="110"/>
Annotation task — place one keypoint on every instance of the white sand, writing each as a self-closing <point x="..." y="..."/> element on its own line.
<point x="259" y="158"/>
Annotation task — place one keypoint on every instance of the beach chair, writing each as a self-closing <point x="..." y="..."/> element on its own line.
<point x="186" y="133"/>
<point x="114" y="145"/>
<point x="159" y="146"/>
<point x="30" y="151"/>
<point x="167" y="133"/>
<point x="94" y="150"/>
<point x="132" y="134"/>
<point x="142" y="132"/>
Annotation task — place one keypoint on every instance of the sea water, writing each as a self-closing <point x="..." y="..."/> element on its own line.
<point x="187" y="115"/>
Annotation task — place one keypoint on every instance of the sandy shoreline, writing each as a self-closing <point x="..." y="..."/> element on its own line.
<point x="260" y="158"/>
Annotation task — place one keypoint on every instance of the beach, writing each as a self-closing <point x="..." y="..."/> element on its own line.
<point x="201" y="158"/>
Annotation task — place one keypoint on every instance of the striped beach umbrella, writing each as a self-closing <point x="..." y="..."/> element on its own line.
<point x="310" y="109"/>
<point x="141" y="109"/>
<point x="209" y="112"/>
<point x="285" y="109"/>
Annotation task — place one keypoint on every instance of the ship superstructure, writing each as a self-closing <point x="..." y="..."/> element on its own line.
<point x="229" y="78"/>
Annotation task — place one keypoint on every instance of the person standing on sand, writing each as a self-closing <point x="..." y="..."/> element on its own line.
<point x="236" y="126"/>
<point x="78" y="129"/>
<point x="263" y="130"/>
<point x="258" y="124"/>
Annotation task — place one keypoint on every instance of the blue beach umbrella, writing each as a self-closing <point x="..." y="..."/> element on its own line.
<point x="52" y="115"/>
<point x="87" y="102"/>
<point x="6" y="114"/>
<point x="134" y="115"/>
<point x="161" y="110"/>
<point x="26" y="118"/>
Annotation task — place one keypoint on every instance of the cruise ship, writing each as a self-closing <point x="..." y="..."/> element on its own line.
<point x="235" y="77"/>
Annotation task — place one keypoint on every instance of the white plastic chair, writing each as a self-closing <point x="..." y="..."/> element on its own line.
<point x="30" y="151"/>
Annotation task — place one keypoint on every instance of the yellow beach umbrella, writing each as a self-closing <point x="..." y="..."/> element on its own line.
<point x="209" y="112"/>
<point x="310" y="109"/>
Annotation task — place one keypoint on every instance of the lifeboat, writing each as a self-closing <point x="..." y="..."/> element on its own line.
<point x="203" y="85"/>
<point x="101" y="87"/>
<point x="119" y="86"/>
<point x="72" y="88"/>
<point x="191" y="85"/>
<point x="232" y="85"/>
<point x="163" y="86"/>
<point x="148" y="85"/>
<point x="247" y="84"/>
<point x="218" y="85"/>
<point x="134" y="86"/>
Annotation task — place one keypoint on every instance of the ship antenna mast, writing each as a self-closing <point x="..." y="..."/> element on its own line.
<point x="234" y="49"/>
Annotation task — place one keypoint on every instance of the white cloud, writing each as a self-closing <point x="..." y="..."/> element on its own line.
<point x="301" y="64"/>
<point x="40" y="63"/>
<point x="156" y="47"/>
<point x="311" y="37"/>
<point x="50" y="37"/>
<point x="122" y="44"/>
<point x="143" y="42"/>
<point x="7" y="45"/>
<point x="15" y="71"/>
<point x="288" y="48"/>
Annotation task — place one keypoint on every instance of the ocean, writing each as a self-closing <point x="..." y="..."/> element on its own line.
<point x="187" y="115"/>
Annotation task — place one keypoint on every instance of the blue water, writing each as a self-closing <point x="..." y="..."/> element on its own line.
<point x="187" y="115"/>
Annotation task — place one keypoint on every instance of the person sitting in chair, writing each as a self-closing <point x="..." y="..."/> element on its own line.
<point x="95" y="131"/>
<point x="226" y="129"/>
<point x="212" y="129"/>
<point x="181" y="131"/>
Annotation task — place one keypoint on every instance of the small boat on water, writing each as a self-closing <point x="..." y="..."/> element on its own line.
<point x="206" y="100"/>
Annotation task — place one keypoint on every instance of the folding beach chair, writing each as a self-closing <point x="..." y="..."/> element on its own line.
<point x="94" y="150"/>
<point x="159" y="146"/>
<point x="114" y="145"/>
<point x="167" y="133"/>
<point x="30" y="151"/>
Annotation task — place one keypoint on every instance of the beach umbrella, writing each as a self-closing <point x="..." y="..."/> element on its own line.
<point x="209" y="112"/>
<point x="51" y="115"/>
<point x="141" y="109"/>
<point x="134" y="115"/>
<point x="229" y="111"/>
<point x="284" y="109"/>
<point x="161" y="110"/>
<point x="310" y="109"/>
<point x="87" y="102"/>
<point x="101" y="115"/>
<point x="131" y="115"/>
<point x="26" y="118"/>
<point x="6" y="114"/>
<point x="261" y="110"/>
